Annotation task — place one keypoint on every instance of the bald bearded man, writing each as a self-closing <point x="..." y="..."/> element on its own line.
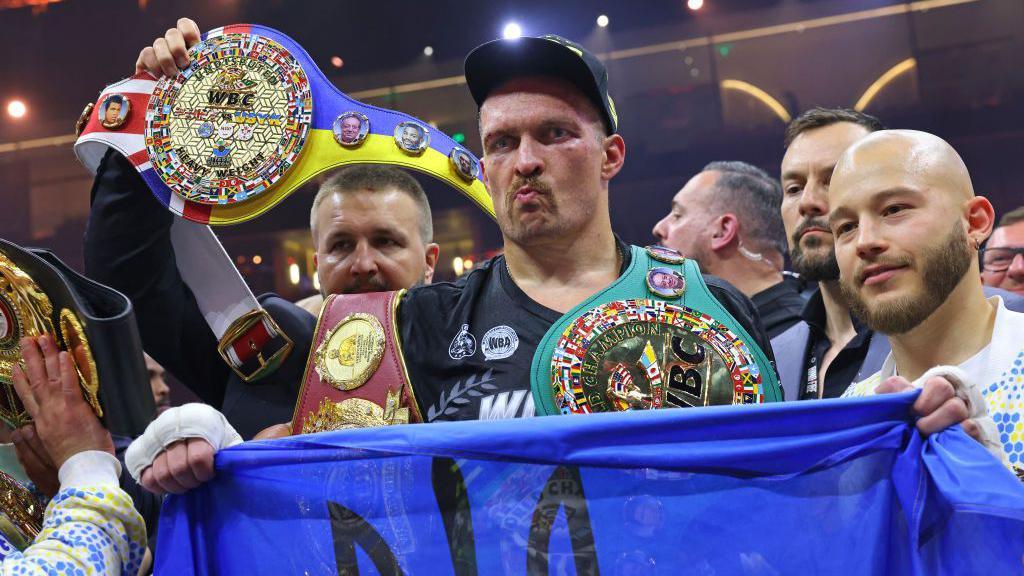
<point x="907" y="228"/>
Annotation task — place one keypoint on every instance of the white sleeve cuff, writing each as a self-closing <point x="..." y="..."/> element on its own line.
<point x="90" y="468"/>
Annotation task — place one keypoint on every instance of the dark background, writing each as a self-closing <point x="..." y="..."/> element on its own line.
<point x="669" y="67"/>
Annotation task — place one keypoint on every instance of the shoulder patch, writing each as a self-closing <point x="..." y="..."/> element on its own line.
<point x="463" y="345"/>
<point x="499" y="342"/>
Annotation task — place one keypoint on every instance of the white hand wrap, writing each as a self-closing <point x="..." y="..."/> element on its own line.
<point x="188" y="421"/>
<point x="969" y="391"/>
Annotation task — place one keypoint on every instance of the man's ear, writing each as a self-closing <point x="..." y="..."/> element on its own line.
<point x="432" y="253"/>
<point x="726" y="231"/>
<point x="614" y="156"/>
<point x="981" y="218"/>
<point x="483" y="173"/>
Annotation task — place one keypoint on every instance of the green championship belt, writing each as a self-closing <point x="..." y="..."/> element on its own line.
<point x="654" y="338"/>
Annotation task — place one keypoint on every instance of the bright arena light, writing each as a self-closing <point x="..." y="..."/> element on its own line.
<point x="602" y="20"/>
<point x="293" y="274"/>
<point x="428" y="51"/>
<point x="16" y="108"/>
<point x="512" y="30"/>
<point x="694" y="4"/>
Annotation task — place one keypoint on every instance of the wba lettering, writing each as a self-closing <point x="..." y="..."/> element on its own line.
<point x="499" y="342"/>
<point x="227" y="99"/>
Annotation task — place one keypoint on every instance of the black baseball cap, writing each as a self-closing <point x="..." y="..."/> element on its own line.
<point x="492" y="64"/>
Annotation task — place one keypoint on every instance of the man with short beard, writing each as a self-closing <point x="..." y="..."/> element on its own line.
<point x="820" y="356"/>
<point x="907" y="229"/>
<point x="371" y="229"/>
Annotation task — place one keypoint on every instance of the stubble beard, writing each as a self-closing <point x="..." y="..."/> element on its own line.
<point x="942" y="268"/>
<point x="699" y="254"/>
<point x="811" y="264"/>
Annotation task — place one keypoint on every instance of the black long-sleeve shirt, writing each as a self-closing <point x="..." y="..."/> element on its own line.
<point x="128" y="247"/>
<point x="468" y="345"/>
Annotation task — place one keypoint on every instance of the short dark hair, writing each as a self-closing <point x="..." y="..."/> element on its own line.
<point x="375" y="178"/>
<point x="818" y="117"/>
<point x="1012" y="217"/>
<point x="755" y="197"/>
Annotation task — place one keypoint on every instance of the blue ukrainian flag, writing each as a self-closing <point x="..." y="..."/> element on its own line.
<point x="824" y="487"/>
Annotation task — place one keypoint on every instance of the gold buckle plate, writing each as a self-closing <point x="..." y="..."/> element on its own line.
<point x="238" y="328"/>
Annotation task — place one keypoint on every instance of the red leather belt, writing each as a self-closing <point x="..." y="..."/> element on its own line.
<point x="355" y="375"/>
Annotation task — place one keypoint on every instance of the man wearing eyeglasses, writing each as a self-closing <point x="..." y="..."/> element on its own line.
<point x="1002" y="260"/>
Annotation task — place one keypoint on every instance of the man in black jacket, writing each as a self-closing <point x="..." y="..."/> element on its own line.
<point x="372" y="231"/>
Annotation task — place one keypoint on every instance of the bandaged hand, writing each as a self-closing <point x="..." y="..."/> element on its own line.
<point x="949" y="397"/>
<point x="175" y="453"/>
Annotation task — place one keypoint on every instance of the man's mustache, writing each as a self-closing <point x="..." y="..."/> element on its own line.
<point x="807" y="225"/>
<point x="371" y="284"/>
<point x="532" y="182"/>
<point x="887" y="261"/>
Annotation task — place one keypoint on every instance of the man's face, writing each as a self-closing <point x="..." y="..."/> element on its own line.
<point x="350" y="129"/>
<point x="546" y="161"/>
<point x="113" y="112"/>
<point x="161" y="392"/>
<point x="410" y="137"/>
<point x="684" y="228"/>
<point x="900" y="241"/>
<point x="465" y="165"/>
<point x="1012" y="277"/>
<point x="806" y="176"/>
<point x="662" y="280"/>
<point x="369" y="241"/>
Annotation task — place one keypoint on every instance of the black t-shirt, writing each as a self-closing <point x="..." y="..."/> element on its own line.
<point x="469" y="345"/>
<point x="846" y="364"/>
<point x="779" y="306"/>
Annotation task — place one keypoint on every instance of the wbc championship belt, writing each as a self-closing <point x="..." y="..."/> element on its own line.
<point x="95" y="324"/>
<point x="356" y="376"/>
<point x="249" y="121"/>
<point x="655" y="338"/>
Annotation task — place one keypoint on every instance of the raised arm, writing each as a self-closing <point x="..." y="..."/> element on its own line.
<point x="128" y="247"/>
